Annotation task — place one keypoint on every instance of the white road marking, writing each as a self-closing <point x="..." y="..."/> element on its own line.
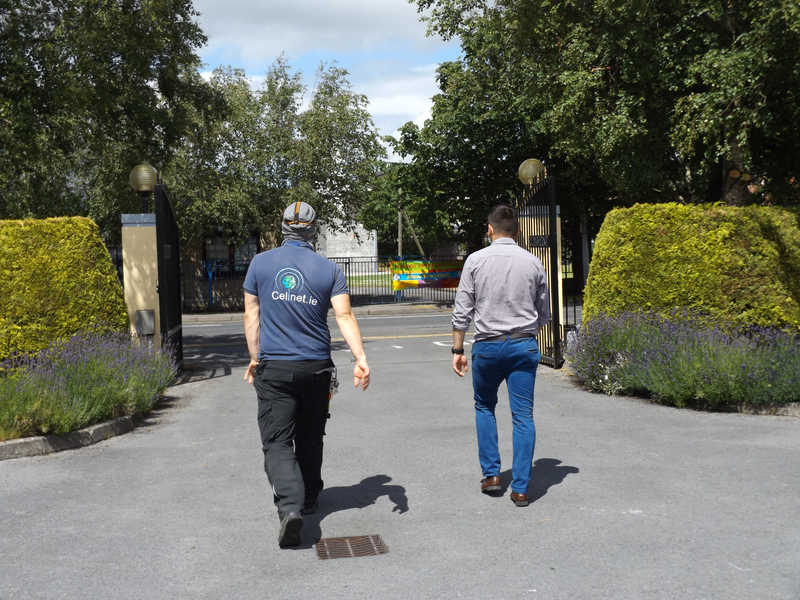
<point x="372" y="317"/>
<point x="372" y="338"/>
<point x="447" y="345"/>
<point x="398" y="347"/>
<point x="359" y="318"/>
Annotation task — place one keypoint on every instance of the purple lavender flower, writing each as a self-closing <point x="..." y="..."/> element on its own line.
<point x="689" y="359"/>
<point x="80" y="380"/>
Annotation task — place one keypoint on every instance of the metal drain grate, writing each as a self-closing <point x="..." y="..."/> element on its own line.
<point x="351" y="547"/>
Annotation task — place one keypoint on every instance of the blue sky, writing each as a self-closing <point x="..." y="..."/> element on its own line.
<point x="382" y="44"/>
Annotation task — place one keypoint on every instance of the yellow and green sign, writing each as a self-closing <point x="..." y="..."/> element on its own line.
<point x="425" y="273"/>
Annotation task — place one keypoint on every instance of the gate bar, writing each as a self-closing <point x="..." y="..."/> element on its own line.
<point x="555" y="280"/>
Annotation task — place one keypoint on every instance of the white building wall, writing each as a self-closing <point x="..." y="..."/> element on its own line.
<point x="351" y="244"/>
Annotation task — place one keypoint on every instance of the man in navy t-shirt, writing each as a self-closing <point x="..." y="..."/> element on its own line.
<point x="287" y="292"/>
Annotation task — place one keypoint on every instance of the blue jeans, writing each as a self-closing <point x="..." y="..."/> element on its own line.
<point x="514" y="360"/>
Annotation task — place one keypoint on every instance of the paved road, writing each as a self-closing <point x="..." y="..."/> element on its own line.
<point x="633" y="500"/>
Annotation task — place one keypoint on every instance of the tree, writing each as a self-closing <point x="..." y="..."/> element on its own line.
<point x="231" y="173"/>
<point x="656" y="101"/>
<point x="394" y="189"/>
<point x="338" y="150"/>
<point x="465" y="158"/>
<point x="87" y="90"/>
<point x="235" y="175"/>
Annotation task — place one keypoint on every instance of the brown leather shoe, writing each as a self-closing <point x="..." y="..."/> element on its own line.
<point x="520" y="499"/>
<point x="491" y="485"/>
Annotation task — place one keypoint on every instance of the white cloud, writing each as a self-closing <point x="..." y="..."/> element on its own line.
<point x="264" y="29"/>
<point x="393" y="101"/>
<point x="399" y="104"/>
<point x="401" y="95"/>
<point x="255" y="81"/>
<point x="381" y="42"/>
<point x="398" y="99"/>
<point x="429" y="69"/>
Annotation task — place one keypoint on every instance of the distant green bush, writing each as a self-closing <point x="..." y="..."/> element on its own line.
<point x="56" y="278"/>
<point x="737" y="264"/>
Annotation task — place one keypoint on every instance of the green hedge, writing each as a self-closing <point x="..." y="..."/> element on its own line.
<point x="739" y="264"/>
<point x="56" y="278"/>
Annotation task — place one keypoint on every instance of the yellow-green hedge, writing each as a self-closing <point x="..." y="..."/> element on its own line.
<point x="56" y="278"/>
<point x="741" y="264"/>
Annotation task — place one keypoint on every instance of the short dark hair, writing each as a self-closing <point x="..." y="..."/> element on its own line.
<point x="503" y="219"/>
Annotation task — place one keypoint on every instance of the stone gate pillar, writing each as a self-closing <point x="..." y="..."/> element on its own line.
<point x="140" y="275"/>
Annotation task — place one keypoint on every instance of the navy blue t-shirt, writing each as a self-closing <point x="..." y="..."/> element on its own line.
<point x="294" y="286"/>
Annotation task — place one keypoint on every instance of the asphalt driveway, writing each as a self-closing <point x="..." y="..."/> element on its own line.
<point x="632" y="500"/>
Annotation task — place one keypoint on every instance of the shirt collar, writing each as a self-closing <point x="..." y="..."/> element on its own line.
<point x="504" y="241"/>
<point x="297" y="243"/>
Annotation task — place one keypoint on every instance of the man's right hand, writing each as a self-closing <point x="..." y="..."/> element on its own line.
<point x="460" y="365"/>
<point x="361" y="373"/>
<point x="250" y="374"/>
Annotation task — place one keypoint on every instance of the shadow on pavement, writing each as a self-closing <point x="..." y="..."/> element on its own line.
<point x="359" y="495"/>
<point x="209" y="357"/>
<point x="153" y="417"/>
<point x="336" y="346"/>
<point x="342" y="345"/>
<point x="545" y="474"/>
<point x="202" y="370"/>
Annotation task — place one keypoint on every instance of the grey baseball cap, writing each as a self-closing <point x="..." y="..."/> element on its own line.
<point x="298" y="215"/>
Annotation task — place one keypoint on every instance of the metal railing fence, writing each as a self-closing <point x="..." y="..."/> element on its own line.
<point x="368" y="278"/>
<point x="370" y="282"/>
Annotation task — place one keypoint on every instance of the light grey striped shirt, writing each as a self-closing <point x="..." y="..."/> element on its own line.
<point x="504" y="289"/>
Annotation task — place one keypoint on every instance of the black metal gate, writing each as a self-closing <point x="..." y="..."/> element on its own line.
<point x="539" y="234"/>
<point x="169" y="275"/>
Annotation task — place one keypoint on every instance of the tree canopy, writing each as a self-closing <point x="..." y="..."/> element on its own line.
<point x="87" y="90"/>
<point x="633" y="101"/>
<point x="397" y="188"/>
<point x="234" y="175"/>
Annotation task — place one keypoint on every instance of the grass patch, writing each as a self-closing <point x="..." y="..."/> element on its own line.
<point x="688" y="360"/>
<point x="370" y="280"/>
<point x="88" y="378"/>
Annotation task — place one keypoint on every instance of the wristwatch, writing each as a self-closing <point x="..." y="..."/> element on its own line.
<point x="455" y="350"/>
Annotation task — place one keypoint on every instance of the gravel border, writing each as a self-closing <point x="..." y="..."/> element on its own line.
<point x="45" y="444"/>
<point x="787" y="410"/>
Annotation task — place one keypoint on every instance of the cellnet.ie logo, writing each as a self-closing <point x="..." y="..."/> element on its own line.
<point x="289" y="283"/>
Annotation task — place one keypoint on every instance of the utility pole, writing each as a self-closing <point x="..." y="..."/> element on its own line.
<point x="400" y="224"/>
<point x="413" y="234"/>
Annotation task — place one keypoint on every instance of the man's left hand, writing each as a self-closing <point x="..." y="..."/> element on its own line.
<point x="250" y="374"/>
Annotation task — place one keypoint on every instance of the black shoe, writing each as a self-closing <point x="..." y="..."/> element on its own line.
<point x="310" y="507"/>
<point x="291" y="524"/>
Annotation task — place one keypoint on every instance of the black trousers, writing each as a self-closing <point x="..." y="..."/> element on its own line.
<point x="293" y="404"/>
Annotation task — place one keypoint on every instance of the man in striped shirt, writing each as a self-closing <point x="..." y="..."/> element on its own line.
<point x="503" y="289"/>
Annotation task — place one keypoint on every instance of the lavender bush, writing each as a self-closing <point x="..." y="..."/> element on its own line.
<point x="689" y="360"/>
<point x="86" y="379"/>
